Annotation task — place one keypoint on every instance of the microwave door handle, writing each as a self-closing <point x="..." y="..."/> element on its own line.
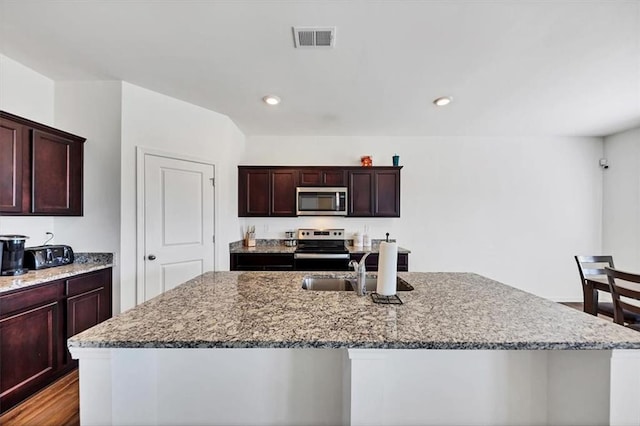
<point x="337" y="201"/>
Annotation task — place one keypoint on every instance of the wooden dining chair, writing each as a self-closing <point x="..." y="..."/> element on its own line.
<point x="593" y="279"/>
<point x="624" y="285"/>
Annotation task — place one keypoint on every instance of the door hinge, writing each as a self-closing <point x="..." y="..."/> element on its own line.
<point x="213" y="181"/>
<point x="214" y="238"/>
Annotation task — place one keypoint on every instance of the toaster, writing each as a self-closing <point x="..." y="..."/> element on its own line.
<point x="42" y="257"/>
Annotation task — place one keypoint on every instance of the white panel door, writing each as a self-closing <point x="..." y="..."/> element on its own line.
<point x="178" y="222"/>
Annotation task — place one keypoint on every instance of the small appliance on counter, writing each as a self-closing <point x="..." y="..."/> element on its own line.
<point x="42" y="257"/>
<point x="290" y="240"/>
<point x="12" y="254"/>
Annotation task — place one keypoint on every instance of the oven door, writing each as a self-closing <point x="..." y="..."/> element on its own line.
<point x="321" y="261"/>
<point x="313" y="201"/>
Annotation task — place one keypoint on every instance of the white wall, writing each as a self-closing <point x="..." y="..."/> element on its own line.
<point x="621" y="206"/>
<point x="513" y="209"/>
<point x="156" y="121"/>
<point x="28" y="94"/>
<point x="93" y="110"/>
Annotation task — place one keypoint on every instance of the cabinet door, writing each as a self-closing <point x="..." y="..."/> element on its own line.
<point x="360" y="193"/>
<point x="283" y="192"/>
<point x="11" y="157"/>
<point x="88" y="303"/>
<point x="333" y="177"/>
<point x="253" y="192"/>
<point x="310" y="178"/>
<point x="56" y="175"/>
<point x="89" y="300"/>
<point x="29" y="356"/>
<point x="403" y="261"/>
<point x="322" y="177"/>
<point x="387" y="193"/>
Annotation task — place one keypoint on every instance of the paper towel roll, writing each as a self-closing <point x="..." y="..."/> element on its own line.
<point x="387" y="269"/>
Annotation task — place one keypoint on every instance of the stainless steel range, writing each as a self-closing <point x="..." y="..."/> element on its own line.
<point x="321" y="250"/>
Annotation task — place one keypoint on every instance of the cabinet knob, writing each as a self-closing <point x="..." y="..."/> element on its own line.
<point x="151" y="257"/>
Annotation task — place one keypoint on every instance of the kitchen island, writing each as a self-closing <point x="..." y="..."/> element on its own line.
<point x="255" y="348"/>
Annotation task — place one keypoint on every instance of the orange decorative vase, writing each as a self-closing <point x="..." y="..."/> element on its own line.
<point x="366" y="161"/>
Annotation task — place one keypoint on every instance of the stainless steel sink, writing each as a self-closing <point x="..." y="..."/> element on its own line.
<point x="326" y="284"/>
<point x="320" y="283"/>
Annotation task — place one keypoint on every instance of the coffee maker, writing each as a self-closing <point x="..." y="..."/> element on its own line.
<point x="12" y="253"/>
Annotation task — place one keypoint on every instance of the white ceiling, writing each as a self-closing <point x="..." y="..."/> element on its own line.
<point x="513" y="67"/>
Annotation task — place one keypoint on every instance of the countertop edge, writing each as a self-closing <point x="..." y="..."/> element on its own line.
<point x="23" y="282"/>
<point x="71" y="343"/>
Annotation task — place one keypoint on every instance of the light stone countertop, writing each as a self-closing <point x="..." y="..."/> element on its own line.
<point x="374" y="248"/>
<point x="85" y="262"/>
<point x="271" y="310"/>
<point x="274" y="246"/>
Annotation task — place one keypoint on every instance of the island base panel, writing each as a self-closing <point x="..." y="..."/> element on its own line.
<point x="355" y="386"/>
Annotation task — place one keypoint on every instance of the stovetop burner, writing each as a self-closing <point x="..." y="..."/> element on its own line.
<point x="321" y="241"/>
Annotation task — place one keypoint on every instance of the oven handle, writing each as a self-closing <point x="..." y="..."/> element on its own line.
<point x="321" y="256"/>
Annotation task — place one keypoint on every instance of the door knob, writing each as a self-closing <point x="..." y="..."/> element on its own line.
<point x="151" y="257"/>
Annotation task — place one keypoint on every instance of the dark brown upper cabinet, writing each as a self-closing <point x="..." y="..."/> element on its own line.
<point x="283" y="192"/>
<point x="41" y="169"/>
<point x="11" y="144"/>
<point x="270" y="191"/>
<point x="360" y="193"/>
<point x="253" y="192"/>
<point x="264" y="191"/>
<point x="374" y="192"/>
<point x="322" y="177"/>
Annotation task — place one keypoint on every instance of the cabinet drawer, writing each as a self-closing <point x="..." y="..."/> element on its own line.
<point x="86" y="283"/>
<point x="261" y="262"/>
<point x="31" y="297"/>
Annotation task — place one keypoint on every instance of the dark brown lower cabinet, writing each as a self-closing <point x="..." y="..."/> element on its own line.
<point x="28" y="356"/>
<point x="371" y="262"/>
<point x="34" y="326"/>
<point x="284" y="261"/>
<point x="88" y="303"/>
<point x="261" y="262"/>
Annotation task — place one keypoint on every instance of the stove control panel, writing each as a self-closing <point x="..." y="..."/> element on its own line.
<point x="321" y="234"/>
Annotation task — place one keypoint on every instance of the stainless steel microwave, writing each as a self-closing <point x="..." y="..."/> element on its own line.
<point x="321" y="201"/>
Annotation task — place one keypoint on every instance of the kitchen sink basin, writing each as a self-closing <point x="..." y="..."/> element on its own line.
<point x="319" y="283"/>
<point x="326" y="284"/>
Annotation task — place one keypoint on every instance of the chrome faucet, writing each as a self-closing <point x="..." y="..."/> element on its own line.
<point x="361" y="272"/>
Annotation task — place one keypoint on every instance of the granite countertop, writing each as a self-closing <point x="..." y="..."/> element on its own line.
<point x="277" y="246"/>
<point x="374" y="248"/>
<point x="271" y="310"/>
<point x="84" y="262"/>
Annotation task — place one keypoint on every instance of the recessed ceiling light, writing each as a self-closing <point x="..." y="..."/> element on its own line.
<point x="271" y="100"/>
<point x="443" y="100"/>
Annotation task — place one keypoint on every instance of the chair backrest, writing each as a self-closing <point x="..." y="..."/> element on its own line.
<point x="623" y="284"/>
<point x="593" y="266"/>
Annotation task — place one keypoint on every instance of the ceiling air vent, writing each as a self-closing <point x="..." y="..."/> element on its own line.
<point x="314" y="36"/>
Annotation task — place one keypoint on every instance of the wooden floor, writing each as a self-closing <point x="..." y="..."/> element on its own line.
<point x="58" y="404"/>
